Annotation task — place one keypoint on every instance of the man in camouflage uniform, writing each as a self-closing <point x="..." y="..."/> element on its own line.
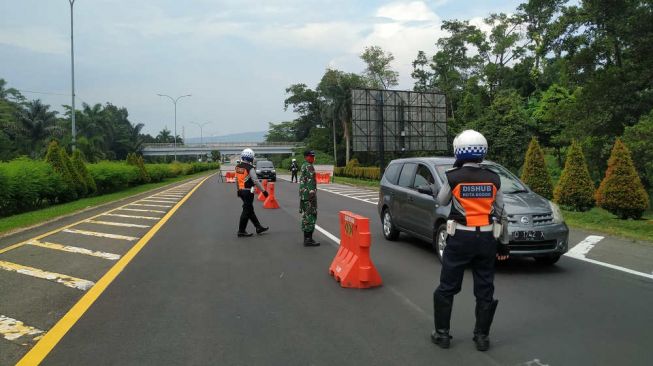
<point x="308" y="198"/>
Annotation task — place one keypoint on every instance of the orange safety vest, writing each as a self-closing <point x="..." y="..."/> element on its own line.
<point x="243" y="180"/>
<point x="474" y="191"/>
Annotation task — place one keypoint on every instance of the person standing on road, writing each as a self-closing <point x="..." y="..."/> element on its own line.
<point x="308" y="198"/>
<point x="293" y="170"/>
<point x="476" y="204"/>
<point x="246" y="180"/>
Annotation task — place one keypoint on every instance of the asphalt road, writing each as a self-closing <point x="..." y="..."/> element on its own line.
<point x="198" y="295"/>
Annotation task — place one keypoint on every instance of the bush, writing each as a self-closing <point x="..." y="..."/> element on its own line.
<point x="157" y="172"/>
<point x="55" y="159"/>
<point x="78" y="181"/>
<point x="535" y="173"/>
<point x="621" y="191"/>
<point x="575" y="190"/>
<point x="639" y="139"/>
<point x="113" y="176"/>
<point x="137" y="161"/>
<point x="353" y="170"/>
<point x="79" y="164"/>
<point x="28" y="184"/>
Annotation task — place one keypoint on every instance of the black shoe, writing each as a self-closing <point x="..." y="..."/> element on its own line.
<point x="482" y="342"/>
<point x="244" y="233"/>
<point x="484" y="317"/>
<point x="262" y="229"/>
<point x="308" y="240"/>
<point x="441" y="337"/>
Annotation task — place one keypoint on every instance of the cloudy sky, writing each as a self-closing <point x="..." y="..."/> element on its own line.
<point x="234" y="56"/>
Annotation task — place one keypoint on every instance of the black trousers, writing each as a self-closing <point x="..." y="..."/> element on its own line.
<point x="248" y="210"/>
<point x="467" y="248"/>
<point x="293" y="176"/>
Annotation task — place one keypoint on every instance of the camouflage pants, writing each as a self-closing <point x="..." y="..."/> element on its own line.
<point x="308" y="209"/>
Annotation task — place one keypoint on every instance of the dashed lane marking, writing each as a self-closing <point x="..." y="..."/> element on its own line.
<point x="15" y="330"/>
<point x="177" y="196"/>
<point x="132" y="216"/>
<point x="111" y="223"/>
<point x="72" y="249"/>
<point x="147" y="205"/>
<point x="100" y="235"/>
<point x="156" y="201"/>
<point x="63" y="279"/>
<point x="141" y="210"/>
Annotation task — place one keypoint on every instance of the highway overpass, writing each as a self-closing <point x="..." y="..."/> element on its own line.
<point x="225" y="148"/>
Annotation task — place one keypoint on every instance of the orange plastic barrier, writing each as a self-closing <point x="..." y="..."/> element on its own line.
<point x="261" y="197"/>
<point x="230" y="177"/>
<point x="323" y="177"/>
<point x="271" y="201"/>
<point x="352" y="266"/>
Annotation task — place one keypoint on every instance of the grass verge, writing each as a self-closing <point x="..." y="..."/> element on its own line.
<point x="357" y="182"/>
<point x="30" y="218"/>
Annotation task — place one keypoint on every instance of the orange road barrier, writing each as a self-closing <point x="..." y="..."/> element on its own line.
<point x="352" y="266"/>
<point x="323" y="177"/>
<point x="261" y="197"/>
<point x="230" y="177"/>
<point x="271" y="201"/>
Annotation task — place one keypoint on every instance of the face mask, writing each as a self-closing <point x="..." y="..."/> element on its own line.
<point x="310" y="159"/>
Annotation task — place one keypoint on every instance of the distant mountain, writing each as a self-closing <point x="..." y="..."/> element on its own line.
<point x="258" y="136"/>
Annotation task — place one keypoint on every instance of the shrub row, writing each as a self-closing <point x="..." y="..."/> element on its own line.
<point x="369" y="173"/>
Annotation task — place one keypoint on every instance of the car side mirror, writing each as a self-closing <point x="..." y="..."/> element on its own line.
<point x="425" y="190"/>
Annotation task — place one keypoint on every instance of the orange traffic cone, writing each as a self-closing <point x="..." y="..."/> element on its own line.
<point x="261" y="197"/>
<point x="271" y="201"/>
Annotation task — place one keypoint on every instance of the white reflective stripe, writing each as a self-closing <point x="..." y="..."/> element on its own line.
<point x="111" y="223"/>
<point x="63" y="279"/>
<point x="100" y="235"/>
<point x="71" y="249"/>
<point x="12" y="329"/>
<point x="133" y="217"/>
<point x="140" y="210"/>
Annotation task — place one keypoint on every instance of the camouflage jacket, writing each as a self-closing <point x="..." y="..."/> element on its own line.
<point x="307" y="183"/>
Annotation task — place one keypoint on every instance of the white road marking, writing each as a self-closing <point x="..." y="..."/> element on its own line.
<point x="580" y="251"/>
<point x="328" y="235"/>
<point x="63" y="279"/>
<point x="146" y="205"/>
<point x="111" y="223"/>
<point x="141" y="210"/>
<point x="71" y="249"/>
<point x="12" y="329"/>
<point x="174" y="196"/>
<point x="100" y="235"/>
<point x="133" y="217"/>
<point x="156" y="201"/>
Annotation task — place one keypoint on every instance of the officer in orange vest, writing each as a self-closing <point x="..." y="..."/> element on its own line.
<point x="246" y="180"/>
<point x="476" y="204"/>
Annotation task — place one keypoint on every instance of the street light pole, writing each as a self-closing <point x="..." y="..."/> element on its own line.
<point x="201" y="126"/>
<point x="174" y="101"/>
<point x="72" y="73"/>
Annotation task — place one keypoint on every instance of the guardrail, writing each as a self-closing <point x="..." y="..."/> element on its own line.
<point x="223" y="144"/>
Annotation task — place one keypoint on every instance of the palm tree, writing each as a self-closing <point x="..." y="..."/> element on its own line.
<point x="164" y="136"/>
<point x="39" y="124"/>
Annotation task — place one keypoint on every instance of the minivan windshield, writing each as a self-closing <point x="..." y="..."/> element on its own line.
<point x="264" y="164"/>
<point x="509" y="183"/>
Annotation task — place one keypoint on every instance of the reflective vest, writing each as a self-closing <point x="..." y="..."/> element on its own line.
<point x="243" y="180"/>
<point x="473" y="192"/>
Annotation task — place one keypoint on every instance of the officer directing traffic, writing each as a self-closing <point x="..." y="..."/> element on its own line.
<point x="246" y="180"/>
<point x="308" y="198"/>
<point x="294" y="168"/>
<point x="476" y="204"/>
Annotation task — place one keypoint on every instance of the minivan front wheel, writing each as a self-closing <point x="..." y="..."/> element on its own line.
<point x="389" y="230"/>
<point x="440" y="240"/>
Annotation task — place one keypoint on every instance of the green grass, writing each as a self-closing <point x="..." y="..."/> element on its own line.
<point x="38" y="216"/>
<point x="601" y="220"/>
<point x="357" y="182"/>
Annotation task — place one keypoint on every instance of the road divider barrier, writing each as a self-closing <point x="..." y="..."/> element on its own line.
<point x="230" y="177"/>
<point x="271" y="201"/>
<point x="323" y="177"/>
<point x="352" y="266"/>
<point x="261" y="197"/>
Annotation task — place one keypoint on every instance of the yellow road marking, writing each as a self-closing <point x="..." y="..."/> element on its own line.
<point x="11" y="247"/>
<point x="141" y="210"/>
<point x="100" y="235"/>
<point x="71" y="249"/>
<point x="63" y="279"/>
<point x="147" y="205"/>
<point x="12" y="329"/>
<point x="133" y="217"/>
<point x="111" y="223"/>
<point x="56" y="333"/>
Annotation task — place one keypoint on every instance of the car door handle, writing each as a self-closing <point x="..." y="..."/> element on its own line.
<point x="410" y="198"/>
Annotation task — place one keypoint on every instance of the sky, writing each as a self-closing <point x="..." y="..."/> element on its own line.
<point x="235" y="57"/>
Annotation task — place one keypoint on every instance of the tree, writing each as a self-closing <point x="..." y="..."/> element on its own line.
<point x="378" y="68"/>
<point x="55" y="159"/>
<point x="639" y="139"/>
<point x="164" y="136"/>
<point x="282" y="132"/>
<point x="137" y="161"/>
<point x="80" y="166"/>
<point x="535" y="173"/>
<point x="39" y="124"/>
<point x="552" y="115"/>
<point x="305" y="102"/>
<point x="78" y="182"/>
<point x="575" y="190"/>
<point x="621" y="192"/>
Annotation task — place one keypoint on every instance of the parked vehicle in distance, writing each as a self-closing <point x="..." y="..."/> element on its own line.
<point x="407" y="203"/>
<point x="265" y="170"/>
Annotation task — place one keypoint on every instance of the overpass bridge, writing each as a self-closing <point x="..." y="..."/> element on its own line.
<point x="225" y="148"/>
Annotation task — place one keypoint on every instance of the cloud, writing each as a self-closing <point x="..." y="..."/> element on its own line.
<point x="407" y="11"/>
<point x="37" y="39"/>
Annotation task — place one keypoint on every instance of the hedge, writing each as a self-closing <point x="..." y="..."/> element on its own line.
<point x="352" y="170"/>
<point x="113" y="176"/>
<point x="27" y="184"/>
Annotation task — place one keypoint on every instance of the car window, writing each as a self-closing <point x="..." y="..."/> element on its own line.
<point x="423" y="177"/>
<point x="509" y="183"/>
<point x="407" y="175"/>
<point x="264" y="164"/>
<point x="392" y="173"/>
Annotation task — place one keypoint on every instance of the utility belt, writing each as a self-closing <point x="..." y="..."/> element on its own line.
<point x="495" y="228"/>
<point x="246" y="190"/>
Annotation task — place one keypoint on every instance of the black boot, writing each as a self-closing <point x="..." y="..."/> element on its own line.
<point x="262" y="229"/>
<point x="244" y="233"/>
<point x="308" y="239"/>
<point x="484" y="316"/>
<point x="442" y="314"/>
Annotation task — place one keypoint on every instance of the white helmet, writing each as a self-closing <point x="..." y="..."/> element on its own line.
<point x="247" y="155"/>
<point x="470" y="145"/>
<point x="294" y="159"/>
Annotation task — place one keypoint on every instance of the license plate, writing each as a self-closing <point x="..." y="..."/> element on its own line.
<point x="528" y="235"/>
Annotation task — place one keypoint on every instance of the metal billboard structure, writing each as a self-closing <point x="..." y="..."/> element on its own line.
<point x="393" y="120"/>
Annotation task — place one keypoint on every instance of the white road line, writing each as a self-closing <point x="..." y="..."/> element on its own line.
<point x="174" y="196"/>
<point x="132" y="216"/>
<point x="111" y="223"/>
<point x="146" y="205"/>
<point x="65" y="280"/>
<point x="156" y="201"/>
<point x="141" y="210"/>
<point x="162" y="199"/>
<point x="328" y="235"/>
<point x="71" y="249"/>
<point x="580" y="251"/>
<point x="12" y="329"/>
<point x="100" y="235"/>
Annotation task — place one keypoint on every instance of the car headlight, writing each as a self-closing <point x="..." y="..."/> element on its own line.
<point x="557" y="214"/>
<point x="258" y="170"/>
<point x="274" y="171"/>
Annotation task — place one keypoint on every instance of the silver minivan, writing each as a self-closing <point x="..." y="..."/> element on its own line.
<point x="407" y="204"/>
